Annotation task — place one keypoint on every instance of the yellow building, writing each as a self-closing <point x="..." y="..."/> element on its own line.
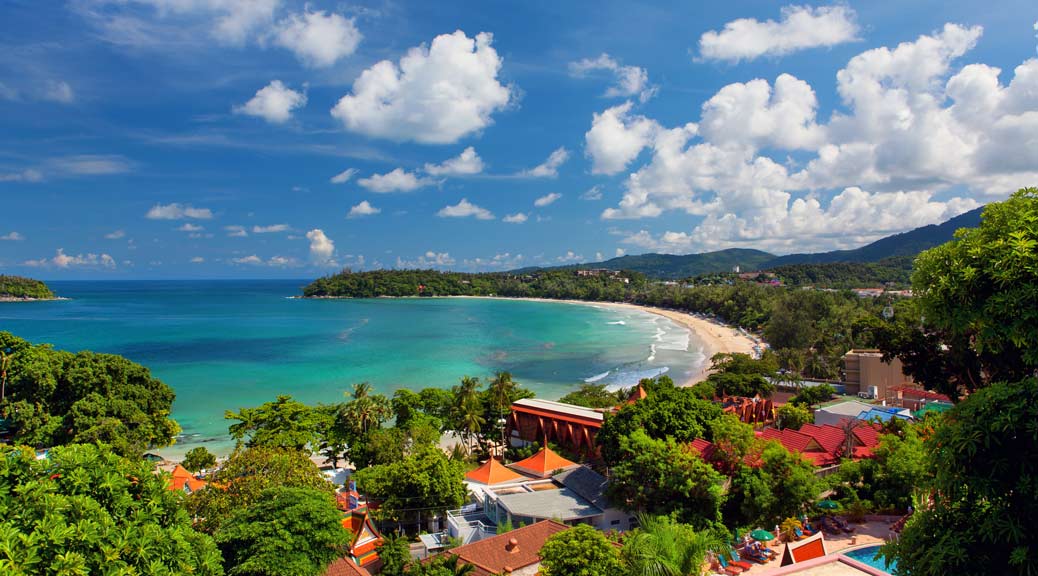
<point x="865" y="372"/>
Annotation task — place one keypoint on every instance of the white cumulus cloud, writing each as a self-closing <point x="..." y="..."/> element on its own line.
<point x="344" y="176"/>
<point x="464" y="164"/>
<point x="236" y="231"/>
<point x="189" y="227"/>
<point x="517" y="218"/>
<point x="115" y="234"/>
<point x="550" y="167"/>
<point x="176" y="211"/>
<point x="274" y="103"/>
<point x="399" y="180"/>
<point x="547" y="199"/>
<point x="318" y="39"/>
<point x="364" y="208"/>
<point x="271" y="229"/>
<point x="800" y="28"/>
<point x="322" y="249"/>
<point x="436" y="95"/>
<point x="65" y="261"/>
<point x="616" y="138"/>
<point x="12" y="236"/>
<point x="629" y="81"/>
<point x="464" y="209"/>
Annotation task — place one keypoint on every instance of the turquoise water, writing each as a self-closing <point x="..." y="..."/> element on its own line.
<point x="867" y="555"/>
<point x="227" y="344"/>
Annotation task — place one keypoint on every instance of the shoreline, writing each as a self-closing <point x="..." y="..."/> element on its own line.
<point x="715" y="337"/>
<point x="20" y="299"/>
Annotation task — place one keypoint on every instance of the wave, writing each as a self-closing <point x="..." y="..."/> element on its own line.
<point x="617" y="323"/>
<point x="652" y="353"/>
<point x="620" y="380"/>
<point x="597" y="377"/>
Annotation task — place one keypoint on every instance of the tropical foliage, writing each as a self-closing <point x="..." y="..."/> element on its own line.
<point x="20" y="287"/>
<point x="86" y="510"/>
<point x="662" y="547"/>
<point x="198" y="458"/>
<point x="426" y="480"/>
<point x="580" y="551"/>
<point x="53" y="397"/>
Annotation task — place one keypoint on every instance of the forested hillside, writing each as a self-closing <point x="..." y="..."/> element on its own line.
<point x="20" y="287"/>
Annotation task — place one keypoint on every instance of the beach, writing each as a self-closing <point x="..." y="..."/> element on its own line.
<point x="717" y="338"/>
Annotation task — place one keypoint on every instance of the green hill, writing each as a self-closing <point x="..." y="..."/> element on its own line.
<point x="17" y="287"/>
<point x="674" y="266"/>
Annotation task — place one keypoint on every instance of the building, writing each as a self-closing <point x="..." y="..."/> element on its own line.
<point x="544" y="464"/>
<point x="749" y="410"/>
<point x="535" y="420"/>
<point x="604" y="273"/>
<point x="184" y="481"/>
<point x="808" y="549"/>
<point x="829" y="565"/>
<point x="838" y="414"/>
<point x="363" y="548"/>
<point x="493" y="472"/>
<point x="826" y="445"/>
<point x="516" y="553"/>
<point x="865" y="371"/>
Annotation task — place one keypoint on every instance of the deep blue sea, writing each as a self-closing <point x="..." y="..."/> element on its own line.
<point x="227" y="344"/>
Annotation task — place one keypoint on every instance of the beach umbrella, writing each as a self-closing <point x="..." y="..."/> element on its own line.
<point x="762" y="535"/>
<point x="827" y="505"/>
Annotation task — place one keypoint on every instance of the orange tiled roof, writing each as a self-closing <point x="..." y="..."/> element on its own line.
<point x="181" y="478"/>
<point x="345" y="567"/>
<point x="493" y="472"/>
<point x="543" y="463"/>
<point x="796" y="552"/>
<point x="510" y="551"/>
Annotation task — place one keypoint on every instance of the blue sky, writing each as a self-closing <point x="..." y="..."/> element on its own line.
<point x="273" y="138"/>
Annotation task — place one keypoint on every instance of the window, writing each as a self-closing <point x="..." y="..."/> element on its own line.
<point x="615" y="522"/>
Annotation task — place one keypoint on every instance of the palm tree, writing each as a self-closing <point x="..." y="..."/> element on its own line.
<point x="472" y="419"/>
<point x="663" y="547"/>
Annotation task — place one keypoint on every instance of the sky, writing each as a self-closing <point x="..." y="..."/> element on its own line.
<point x="275" y="138"/>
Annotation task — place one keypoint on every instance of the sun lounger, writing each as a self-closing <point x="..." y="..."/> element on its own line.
<point x="737" y="561"/>
<point x="728" y="569"/>
<point x="798" y="534"/>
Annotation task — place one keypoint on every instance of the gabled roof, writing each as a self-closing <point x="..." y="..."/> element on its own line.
<point x="345" y="567"/>
<point x="493" y="472"/>
<point x="809" y="549"/>
<point x="705" y="449"/>
<point x="366" y="539"/>
<point x="589" y="484"/>
<point x="184" y="481"/>
<point x="559" y="411"/>
<point x="543" y="463"/>
<point x="830" y="438"/>
<point x="510" y="551"/>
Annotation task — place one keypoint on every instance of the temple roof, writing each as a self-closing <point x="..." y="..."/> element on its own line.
<point x="493" y="472"/>
<point x="543" y="463"/>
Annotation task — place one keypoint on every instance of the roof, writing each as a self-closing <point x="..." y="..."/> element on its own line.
<point x="809" y="549"/>
<point x="345" y="567"/>
<point x="848" y="408"/>
<point x="563" y="503"/>
<point x="917" y="393"/>
<point x="830" y="565"/>
<point x="493" y="472"/>
<point x="590" y="485"/>
<point x="366" y="539"/>
<point x="509" y="551"/>
<point x="182" y="478"/>
<point x="543" y="463"/>
<point x="830" y="438"/>
<point x="559" y="410"/>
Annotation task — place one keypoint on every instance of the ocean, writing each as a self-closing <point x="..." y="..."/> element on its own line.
<point x="224" y="344"/>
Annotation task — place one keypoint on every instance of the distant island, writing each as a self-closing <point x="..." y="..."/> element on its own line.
<point x="21" y="289"/>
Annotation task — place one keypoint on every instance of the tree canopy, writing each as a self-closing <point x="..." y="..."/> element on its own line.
<point x="21" y="287"/>
<point x="580" y="551"/>
<point x="283" y="423"/>
<point x="86" y="510"/>
<point x="427" y="480"/>
<point x="55" y="397"/>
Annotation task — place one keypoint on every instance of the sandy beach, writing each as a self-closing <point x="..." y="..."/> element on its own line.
<point x="715" y="337"/>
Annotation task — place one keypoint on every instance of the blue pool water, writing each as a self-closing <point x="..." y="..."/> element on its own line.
<point x="867" y="555"/>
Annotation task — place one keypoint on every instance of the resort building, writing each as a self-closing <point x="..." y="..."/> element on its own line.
<point x="807" y="549"/>
<point x="516" y="553"/>
<point x="363" y="548"/>
<point x="750" y="410"/>
<point x="493" y="472"/>
<point x="184" y="481"/>
<point x="842" y="412"/>
<point x="866" y="372"/>
<point x="544" y="464"/>
<point x="826" y="445"/>
<point x="535" y="420"/>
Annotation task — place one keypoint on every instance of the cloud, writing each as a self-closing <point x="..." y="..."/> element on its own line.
<point x="115" y="234"/>
<point x="274" y="103"/>
<point x="363" y="209"/>
<point x="318" y="39"/>
<point x="236" y="231"/>
<point x="620" y="252"/>
<point x="91" y="165"/>
<point x="322" y="249"/>
<point x="436" y="95"/>
<point x="189" y="227"/>
<point x="273" y="228"/>
<point x="12" y="237"/>
<point x="398" y="180"/>
<point x="273" y="261"/>
<point x="629" y="81"/>
<point x="231" y="22"/>
<point x="344" y="176"/>
<point x="915" y="142"/>
<point x="429" y="260"/>
<point x="616" y="138"/>
<point x="251" y="259"/>
<point x="800" y="28"/>
<point x="547" y="199"/>
<point x="27" y="175"/>
<point x="59" y="91"/>
<point x="465" y="164"/>
<point x="502" y="261"/>
<point x="517" y="218"/>
<point x="464" y="209"/>
<point x="64" y="261"/>
<point x="592" y="193"/>
<point x="550" y="167"/>
<point x="570" y="256"/>
<point x="178" y="211"/>
<point x="197" y="260"/>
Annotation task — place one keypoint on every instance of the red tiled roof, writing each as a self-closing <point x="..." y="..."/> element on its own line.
<point x="509" y="551"/>
<point x="796" y="552"/>
<point x="181" y="478"/>
<point x="543" y="463"/>
<point x="830" y="438"/>
<point x="493" y="472"/>
<point x="705" y="449"/>
<point x="867" y="434"/>
<point x="345" y="567"/>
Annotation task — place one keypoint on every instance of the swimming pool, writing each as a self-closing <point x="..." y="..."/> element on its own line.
<point x="867" y="555"/>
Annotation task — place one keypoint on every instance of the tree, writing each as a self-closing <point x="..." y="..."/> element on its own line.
<point x="198" y="458"/>
<point x="286" y="532"/>
<point x="812" y="395"/>
<point x="580" y="551"/>
<point x="426" y="479"/>
<point x="733" y="442"/>
<point x="984" y="498"/>
<point x="86" y="510"/>
<point x="395" y="554"/>
<point x="594" y="395"/>
<point x="664" y="477"/>
<point x="889" y="479"/>
<point x="793" y="416"/>
<point x="776" y="488"/>
<point x="284" y="423"/>
<point x="55" y="397"/>
<point x="742" y="375"/>
<point x="662" y="547"/>
<point x="245" y="475"/>
<point x="442" y="565"/>
<point x="666" y="412"/>
<point x="977" y="323"/>
<point x="389" y="445"/>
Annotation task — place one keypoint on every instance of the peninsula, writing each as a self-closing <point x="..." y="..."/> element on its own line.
<point x="21" y="289"/>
